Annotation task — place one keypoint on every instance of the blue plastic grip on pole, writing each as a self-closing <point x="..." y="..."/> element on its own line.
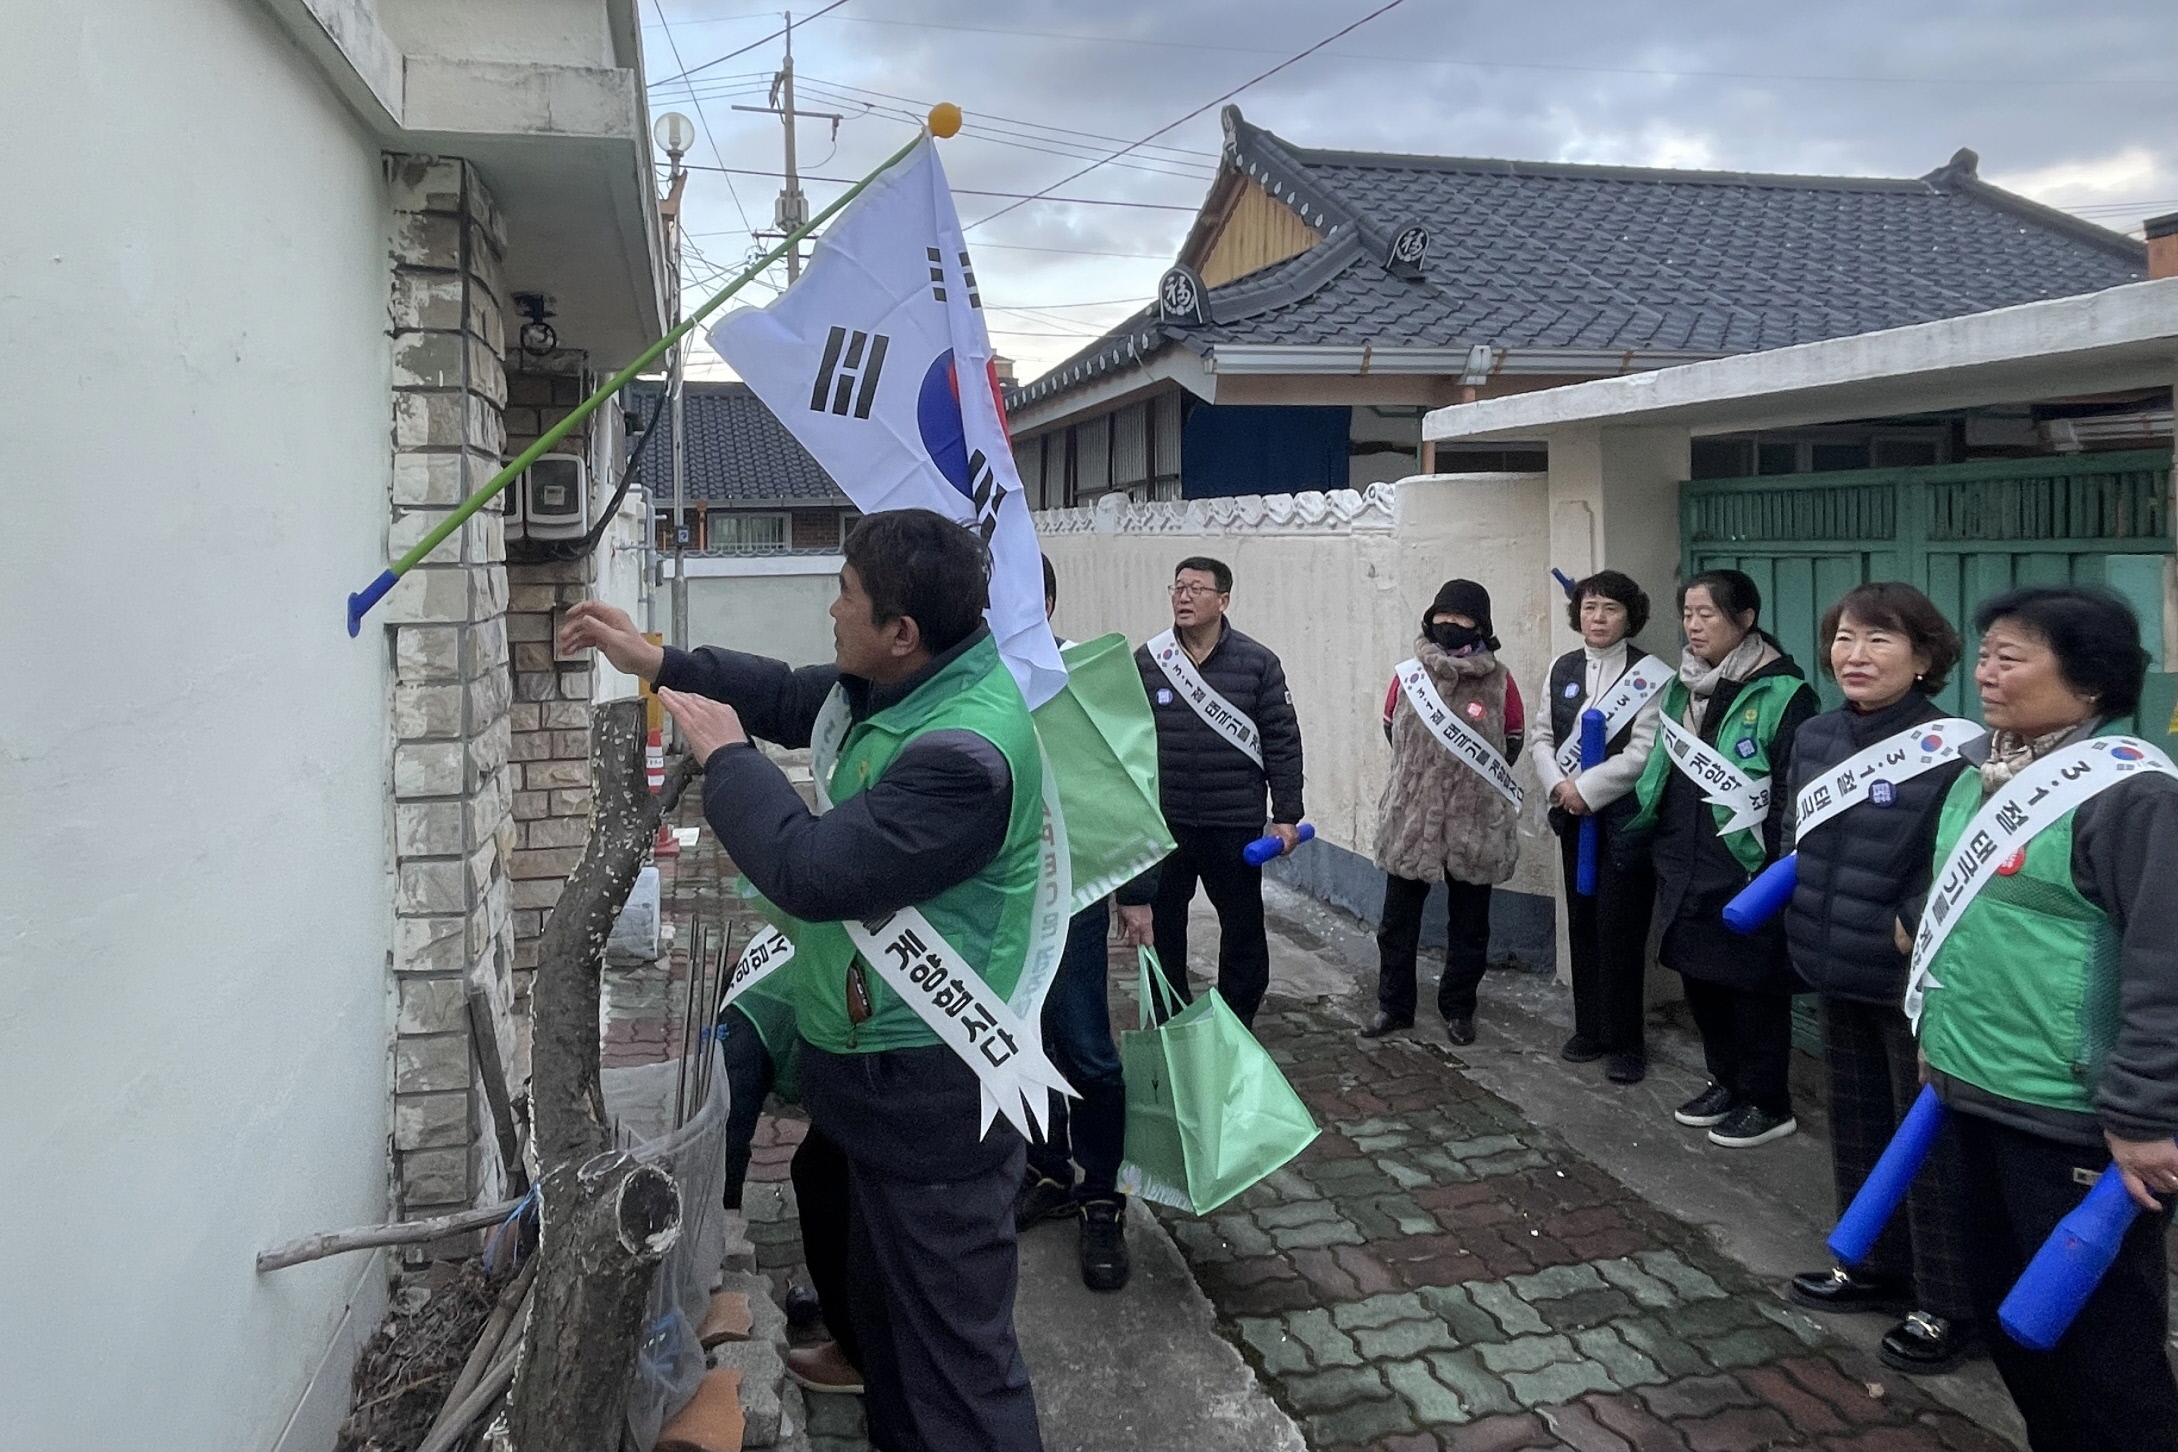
<point x="1765" y="897"/>
<point x="1593" y="746"/>
<point x="2068" y="1267"/>
<point x="1263" y="849"/>
<point x="1565" y="581"/>
<point x="361" y="601"/>
<point x="1888" y="1182"/>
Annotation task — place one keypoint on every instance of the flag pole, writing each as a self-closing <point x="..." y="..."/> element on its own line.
<point x="944" y="121"/>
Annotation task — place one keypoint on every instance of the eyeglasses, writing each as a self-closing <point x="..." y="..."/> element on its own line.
<point x="1194" y="592"/>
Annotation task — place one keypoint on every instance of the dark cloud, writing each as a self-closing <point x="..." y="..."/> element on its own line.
<point x="2075" y="105"/>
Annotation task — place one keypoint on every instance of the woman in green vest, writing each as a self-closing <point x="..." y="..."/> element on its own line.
<point x="1713" y="793"/>
<point x="2048" y="1001"/>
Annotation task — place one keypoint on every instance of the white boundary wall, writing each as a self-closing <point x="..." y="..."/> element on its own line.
<point x="1336" y="584"/>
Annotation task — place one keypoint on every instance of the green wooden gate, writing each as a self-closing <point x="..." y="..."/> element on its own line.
<point x="1962" y="532"/>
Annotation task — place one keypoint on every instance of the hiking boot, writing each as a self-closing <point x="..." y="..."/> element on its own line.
<point x="1384" y="1024"/>
<point x="1706" y="1108"/>
<point x="1927" y="1345"/>
<point x="1580" y="1049"/>
<point x="1104" y="1263"/>
<point x="1750" y="1125"/>
<point x="1626" y="1069"/>
<point x="824" y="1368"/>
<point x="1042" y="1198"/>
<point x="1460" y="1029"/>
<point x="1840" y="1290"/>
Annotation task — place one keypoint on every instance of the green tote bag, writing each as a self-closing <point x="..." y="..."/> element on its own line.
<point x="1208" y="1112"/>
<point x="1101" y="742"/>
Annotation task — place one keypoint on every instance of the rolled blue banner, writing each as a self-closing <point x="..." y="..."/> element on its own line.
<point x="2068" y="1267"/>
<point x="1888" y="1182"/>
<point x="1593" y="747"/>
<point x="360" y="603"/>
<point x="1765" y="897"/>
<point x="1263" y="849"/>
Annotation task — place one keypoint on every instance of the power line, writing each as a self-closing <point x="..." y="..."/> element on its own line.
<point x="984" y="116"/>
<point x="1291" y="60"/>
<point x="1019" y="197"/>
<point x="675" y="47"/>
<point x="688" y="71"/>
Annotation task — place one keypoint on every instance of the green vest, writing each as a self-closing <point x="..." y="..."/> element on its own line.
<point x="1756" y="710"/>
<point x="2028" y="1005"/>
<point x="986" y="918"/>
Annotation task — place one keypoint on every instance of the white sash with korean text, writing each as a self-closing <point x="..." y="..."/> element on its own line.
<point x="1638" y="685"/>
<point x="1722" y="783"/>
<point x="2006" y="823"/>
<point x="1001" y="1039"/>
<point x="766" y="954"/>
<point x="1444" y="723"/>
<point x="1872" y="774"/>
<point x="1219" y="714"/>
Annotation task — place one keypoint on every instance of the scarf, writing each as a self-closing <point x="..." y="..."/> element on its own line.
<point x="2011" y="753"/>
<point x="1702" y="679"/>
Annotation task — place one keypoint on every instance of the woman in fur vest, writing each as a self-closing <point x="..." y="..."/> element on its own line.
<point x="1454" y="720"/>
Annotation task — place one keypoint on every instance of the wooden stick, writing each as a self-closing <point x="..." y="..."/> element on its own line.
<point x="493" y="1069"/>
<point x="455" y="1421"/>
<point x="366" y="1237"/>
<point x="481" y="1356"/>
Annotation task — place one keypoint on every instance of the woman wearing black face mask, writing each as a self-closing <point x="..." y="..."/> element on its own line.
<point x="1454" y="720"/>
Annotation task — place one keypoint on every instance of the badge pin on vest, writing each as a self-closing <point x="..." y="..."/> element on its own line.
<point x="1744" y="750"/>
<point x="1164" y="696"/>
<point x="1882" y="793"/>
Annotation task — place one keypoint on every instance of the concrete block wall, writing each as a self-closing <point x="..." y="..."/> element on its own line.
<point x="452" y="783"/>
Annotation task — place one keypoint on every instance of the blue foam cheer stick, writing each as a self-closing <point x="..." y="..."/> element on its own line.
<point x="1888" y="1182"/>
<point x="1765" y="897"/>
<point x="1592" y="749"/>
<point x="1263" y="849"/>
<point x="1565" y="582"/>
<point x="2068" y="1267"/>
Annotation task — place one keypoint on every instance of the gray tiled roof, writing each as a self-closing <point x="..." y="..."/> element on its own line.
<point x="738" y="451"/>
<point x="1547" y="256"/>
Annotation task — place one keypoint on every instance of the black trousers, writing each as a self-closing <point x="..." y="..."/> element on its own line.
<point x="1874" y="1079"/>
<point x="1090" y="1131"/>
<point x="1399" y="940"/>
<point x="749" y="1076"/>
<point x="931" y="1265"/>
<point x="1211" y="855"/>
<point x="1608" y="939"/>
<point x="819" y="1169"/>
<point x="1746" y="1041"/>
<point x="2108" y="1383"/>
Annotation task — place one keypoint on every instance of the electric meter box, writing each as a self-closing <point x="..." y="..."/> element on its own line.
<point x="555" y="501"/>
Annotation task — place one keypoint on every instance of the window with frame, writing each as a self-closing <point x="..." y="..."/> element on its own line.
<point x="733" y="530"/>
<point x="848" y="519"/>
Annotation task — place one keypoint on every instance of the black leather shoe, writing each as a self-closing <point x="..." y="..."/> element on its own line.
<point x="1626" y="1069"/>
<point x="1460" y="1029"/>
<point x="1580" y="1050"/>
<point x="1838" y="1289"/>
<point x="1104" y="1263"/>
<point x="1927" y="1345"/>
<point x="1042" y="1198"/>
<point x="1706" y="1108"/>
<point x="1384" y="1024"/>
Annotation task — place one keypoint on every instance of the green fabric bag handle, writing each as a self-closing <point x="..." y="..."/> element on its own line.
<point x="1154" y="981"/>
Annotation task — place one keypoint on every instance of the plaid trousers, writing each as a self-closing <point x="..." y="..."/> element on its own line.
<point x="1874" y="1079"/>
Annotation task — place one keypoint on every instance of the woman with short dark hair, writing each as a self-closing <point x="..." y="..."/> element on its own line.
<point x="1868" y="782"/>
<point x="1607" y="931"/>
<point x="2044" y="985"/>
<point x="1727" y="723"/>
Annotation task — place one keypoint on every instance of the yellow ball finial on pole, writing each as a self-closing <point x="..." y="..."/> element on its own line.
<point x="945" y="120"/>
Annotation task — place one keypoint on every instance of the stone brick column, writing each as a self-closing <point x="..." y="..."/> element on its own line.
<point x="452" y="789"/>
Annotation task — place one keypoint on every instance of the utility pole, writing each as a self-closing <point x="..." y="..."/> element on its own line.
<point x="676" y="134"/>
<point x="792" y="209"/>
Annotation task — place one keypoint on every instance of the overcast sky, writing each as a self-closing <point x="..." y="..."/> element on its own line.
<point x="2076" y="106"/>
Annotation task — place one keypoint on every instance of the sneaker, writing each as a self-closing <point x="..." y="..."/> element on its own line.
<point x="1927" y="1345"/>
<point x="824" y="1368"/>
<point x="1626" y="1069"/>
<point x="1706" y="1108"/>
<point x="1042" y="1198"/>
<point x="1104" y="1263"/>
<point x="1580" y="1050"/>
<point x="1841" y="1291"/>
<point x="1748" y="1126"/>
<point x="1460" y="1029"/>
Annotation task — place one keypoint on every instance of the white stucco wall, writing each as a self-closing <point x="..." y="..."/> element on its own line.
<point x="1340" y="601"/>
<point x="194" y="920"/>
<point x="784" y="616"/>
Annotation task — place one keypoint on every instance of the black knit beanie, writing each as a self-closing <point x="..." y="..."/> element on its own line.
<point x="1463" y="597"/>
